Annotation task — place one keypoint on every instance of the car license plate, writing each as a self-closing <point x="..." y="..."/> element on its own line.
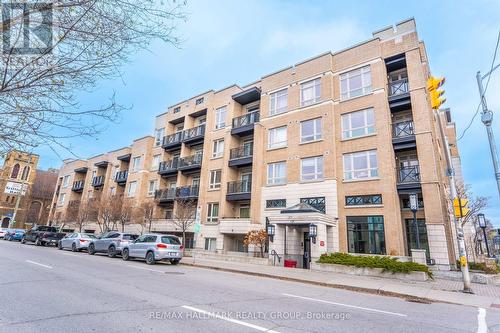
<point x="174" y="254"/>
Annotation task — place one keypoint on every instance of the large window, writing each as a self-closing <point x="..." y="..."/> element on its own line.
<point x="316" y="202"/>
<point x="278" y="102"/>
<point x="277" y="137"/>
<point x="310" y="92"/>
<point x="213" y="212"/>
<point x="276" y="173"/>
<point x="136" y="163"/>
<point x="363" y="200"/>
<point x="65" y="181"/>
<point x="310" y="130"/>
<point x="276" y="203"/>
<point x="215" y="179"/>
<point x="156" y="161"/>
<point x="244" y="211"/>
<point x="152" y="187"/>
<point x="355" y="83"/>
<point x="132" y="187"/>
<point x="311" y="168"/>
<point x="218" y="148"/>
<point x="365" y="234"/>
<point x="220" y="117"/>
<point x="360" y="165"/>
<point x="358" y="123"/>
<point x="62" y="197"/>
<point x="159" y="134"/>
<point x="211" y="244"/>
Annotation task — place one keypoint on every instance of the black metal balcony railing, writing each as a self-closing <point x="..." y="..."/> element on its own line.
<point x="98" y="181"/>
<point x="168" y="166"/>
<point x="121" y="176"/>
<point x="193" y="133"/>
<point x="398" y="87"/>
<point x="246" y="119"/>
<point x="239" y="187"/>
<point x="78" y="185"/>
<point x="187" y="192"/>
<point x="165" y="194"/>
<point x="409" y="174"/>
<point x="241" y="152"/>
<point x="191" y="161"/>
<point x="172" y="139"/>
<point x="402" y="129"/>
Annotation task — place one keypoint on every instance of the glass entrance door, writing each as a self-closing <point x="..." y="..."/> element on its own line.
<point x="411" y="242"/>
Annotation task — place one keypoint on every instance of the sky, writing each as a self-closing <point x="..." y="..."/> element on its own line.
<point x="228" y="42"/>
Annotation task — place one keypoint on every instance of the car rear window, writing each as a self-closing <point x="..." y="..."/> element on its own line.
<point x="89" y="236"/>
<point x="130" y="237"/>
<point x="170" y="240"/>
<point x="49" y="229"/>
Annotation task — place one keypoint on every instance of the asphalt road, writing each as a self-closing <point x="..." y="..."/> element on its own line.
<point x="47" y="290"/>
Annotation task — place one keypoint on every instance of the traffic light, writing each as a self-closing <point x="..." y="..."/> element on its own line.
<point x="433" y="84"/>
<point x="460" y="207"/>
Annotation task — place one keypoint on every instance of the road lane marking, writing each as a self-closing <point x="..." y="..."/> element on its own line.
<point x="234" y="321"/>
<point x="37" y="263"/>
<point x="146" y="269"/>
<point x="69" y="254"/>
<point x="482" y="327"/>
<point x="347" y="305"/>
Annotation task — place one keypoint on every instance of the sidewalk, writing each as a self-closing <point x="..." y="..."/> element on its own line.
<point x="485" y="296"/>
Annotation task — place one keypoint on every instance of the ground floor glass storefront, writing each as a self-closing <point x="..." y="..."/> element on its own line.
<point x="365" y="234"/>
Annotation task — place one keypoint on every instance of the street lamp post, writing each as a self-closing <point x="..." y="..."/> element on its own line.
<point x="414" y="208"/>
<point x="482" y="224"/>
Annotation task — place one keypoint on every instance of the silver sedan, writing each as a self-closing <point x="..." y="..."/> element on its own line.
<point x="76" y="241"/>
<point x="154" y="247"/>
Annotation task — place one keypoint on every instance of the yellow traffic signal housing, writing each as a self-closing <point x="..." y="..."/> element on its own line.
<point x="460" y="207"/>
<point x="432" y="86"/>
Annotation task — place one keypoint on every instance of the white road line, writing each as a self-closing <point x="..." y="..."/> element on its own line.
<point x="38" y="264"/>
<point x="234" y="321"/>
<point x="69" y="254"/>
<point x="347" y="305"/>
<point x="146" y="269"/>
<point x="482" y="327"/>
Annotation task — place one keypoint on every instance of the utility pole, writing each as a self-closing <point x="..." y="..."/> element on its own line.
<point x="458" y="223"/>
<point x="487" y="119"/>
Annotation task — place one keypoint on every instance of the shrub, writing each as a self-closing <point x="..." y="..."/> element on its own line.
<point x="480" y="266"/>
<point x="387" y="264"/>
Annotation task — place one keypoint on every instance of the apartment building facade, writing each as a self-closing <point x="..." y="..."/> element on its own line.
<point x="331" y="146"/>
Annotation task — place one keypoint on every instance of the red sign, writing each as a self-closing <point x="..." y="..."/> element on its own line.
<point x="321" y="243"/>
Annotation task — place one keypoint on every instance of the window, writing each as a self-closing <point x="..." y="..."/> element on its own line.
<point x="310" y="130"/>
<point x="310" y="92"/>
<point x="26" y="172"/>
<point x="200" y="100"/>
<point x="65" y="181"/>
<point x="220" y="117"/>
<point x="169" y="214"/>
<point x="132" y="187"/>
<point x="62" y="197"/>
<point x="177" y="109"/>
<point x="277" y="137"/>
<point x="355" y="83"/>
<point x="360" y="165"/>
<point x="278" y="102"/>
<point x="211" y="244"/>
<point x="15" y="171"/>
<point x="218" y="148"/>
<point x="136" y="163"/>
<point x="159" y="134"/>
<point x="156" y="161"/>
<point x="311" y="168"/>
<point x="213" y="212"/>
<point x="365" y="234"/>
<point x="112" y="191"/>
<point x="215" y="179"/>
<point x="362" y="200"/>
<point x="244" y="212"/>
<point x="276" y="173"/>
<point x="358" y="123"/>
<point x="276" y="203"/>
<point x="318" y="203"/>
<point x="152" y="187"/>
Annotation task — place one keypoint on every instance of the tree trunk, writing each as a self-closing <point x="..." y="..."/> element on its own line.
<point x="149" y="228"/>
<point x="183" y="240"/>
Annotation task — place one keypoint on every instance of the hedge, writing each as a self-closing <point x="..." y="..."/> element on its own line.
<point x="387" y="264"/>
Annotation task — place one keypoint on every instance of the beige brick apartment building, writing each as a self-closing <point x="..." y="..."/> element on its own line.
<point x="337" y="141"/>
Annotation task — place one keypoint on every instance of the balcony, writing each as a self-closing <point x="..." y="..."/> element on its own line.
<point x="403" y="136"/>
<point x="168" y="168"/>
<point x="78" y="186"/>
<point x="244" y="125"/>
<point x="98" y="181"/>
<point x="121" y="177"/>
<point x="241" y="156"/>
<point x="190" y="163"/>
<point x="172" y="141"/>
<point x="187" y="192"/>
<point x="194" y="135"/>
<point x="408" y="179"/>
<point x="237" y="191"/>
<point x="399" y="95"/>
<point x="165" y="196"/>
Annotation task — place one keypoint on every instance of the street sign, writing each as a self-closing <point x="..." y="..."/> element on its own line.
<point x="15" y="188"/>
<point x="413" y="202"/>
<point x="197" y="228"/>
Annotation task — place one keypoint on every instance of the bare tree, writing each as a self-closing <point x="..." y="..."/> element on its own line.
<point x="184" y="215"/>
<point x="77" y="44"/>
<point x="108" y="209"/>
<point x="144" y="214"/>
<point x="80" y="214"/>
<point x="125" y="210"/>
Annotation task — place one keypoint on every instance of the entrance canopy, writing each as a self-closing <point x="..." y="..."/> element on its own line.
<point x="301" y="215"/>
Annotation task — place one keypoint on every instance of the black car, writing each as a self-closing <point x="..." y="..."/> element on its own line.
<point x="43" y="235"/>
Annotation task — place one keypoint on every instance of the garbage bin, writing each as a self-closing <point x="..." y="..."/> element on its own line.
<point x="290" y="263"/>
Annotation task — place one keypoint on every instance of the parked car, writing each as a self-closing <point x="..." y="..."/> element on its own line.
<point x="111" y="242"/>
<point x="154" y="247"/>
<point x="2" y="232"/>
<point x="15" y="234"/>
<point x="42" y="235"/>
<point x="76" y="241"/>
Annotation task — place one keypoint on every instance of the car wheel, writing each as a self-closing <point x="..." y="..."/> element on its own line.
<point x="23" y="241"/>
<point x="38" y="242"/>
<point x="112" y="252"/>
<point x="174" y="261"/>
<point x="73" y="247"/>
<point x="59" y="245"/>
<point x="91" y="249"/>
<point x="150" y="258"/>
<point x="125" y="255"/>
